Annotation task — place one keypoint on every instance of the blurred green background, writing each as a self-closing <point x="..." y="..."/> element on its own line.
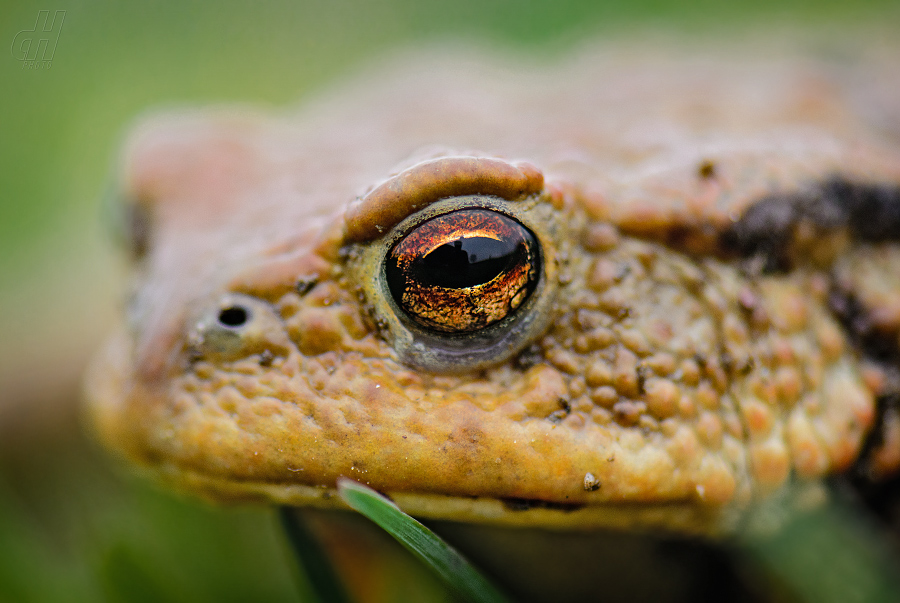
<point x="73" y="526"/>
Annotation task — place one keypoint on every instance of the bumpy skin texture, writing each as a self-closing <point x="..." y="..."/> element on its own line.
<point x="690" y="375"/>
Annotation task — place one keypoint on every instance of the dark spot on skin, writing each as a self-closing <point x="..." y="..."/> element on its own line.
<point x="558" y="415"/>
<point x="870" y="212"/>
<point x="706" y="169"/>
<point x="874" y="210"/>
<point x="878" y="345"/>
<point x="728" y="362"/>
<point x="623" y="313"/>
<point x="643" y="372"/>
<point x="764" y="231"/>
<point x="524" y="504"/>
<point x="305" y="284"/>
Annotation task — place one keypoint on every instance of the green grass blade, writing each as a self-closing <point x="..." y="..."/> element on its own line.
<point x="323" y="581"/>
<point x="452" y="567"/>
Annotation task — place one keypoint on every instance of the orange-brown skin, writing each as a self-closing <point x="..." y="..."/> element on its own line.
<point x="668" y="386"/>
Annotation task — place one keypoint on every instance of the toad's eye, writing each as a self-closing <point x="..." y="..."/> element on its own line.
<point x="463" y="271"/>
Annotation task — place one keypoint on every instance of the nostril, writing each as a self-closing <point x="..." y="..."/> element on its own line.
<point x="233" y="326"/>
<point x="233" y="316"/>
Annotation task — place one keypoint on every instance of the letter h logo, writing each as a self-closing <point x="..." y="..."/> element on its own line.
<point x="47" y="34"/>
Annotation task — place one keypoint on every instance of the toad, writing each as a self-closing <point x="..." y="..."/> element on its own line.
<point x="623" y="291"/>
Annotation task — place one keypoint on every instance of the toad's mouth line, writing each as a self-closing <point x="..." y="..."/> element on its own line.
<point x="683" y="516"/>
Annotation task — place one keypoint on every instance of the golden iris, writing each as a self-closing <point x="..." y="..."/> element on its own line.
<point x="463" y="271"/>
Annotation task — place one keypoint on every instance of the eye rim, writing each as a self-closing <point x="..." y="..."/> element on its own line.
<point x="448" y="353"/>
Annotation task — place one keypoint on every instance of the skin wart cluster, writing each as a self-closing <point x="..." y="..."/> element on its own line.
<point x="661" y="375"/>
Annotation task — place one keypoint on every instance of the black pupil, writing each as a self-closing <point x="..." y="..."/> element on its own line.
<point x="466" y="262"/>
<point x="234" y="316"/>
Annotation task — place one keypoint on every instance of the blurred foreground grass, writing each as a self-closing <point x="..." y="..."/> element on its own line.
<point x="78" y="533"/>
<point x="69" y="529"/>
